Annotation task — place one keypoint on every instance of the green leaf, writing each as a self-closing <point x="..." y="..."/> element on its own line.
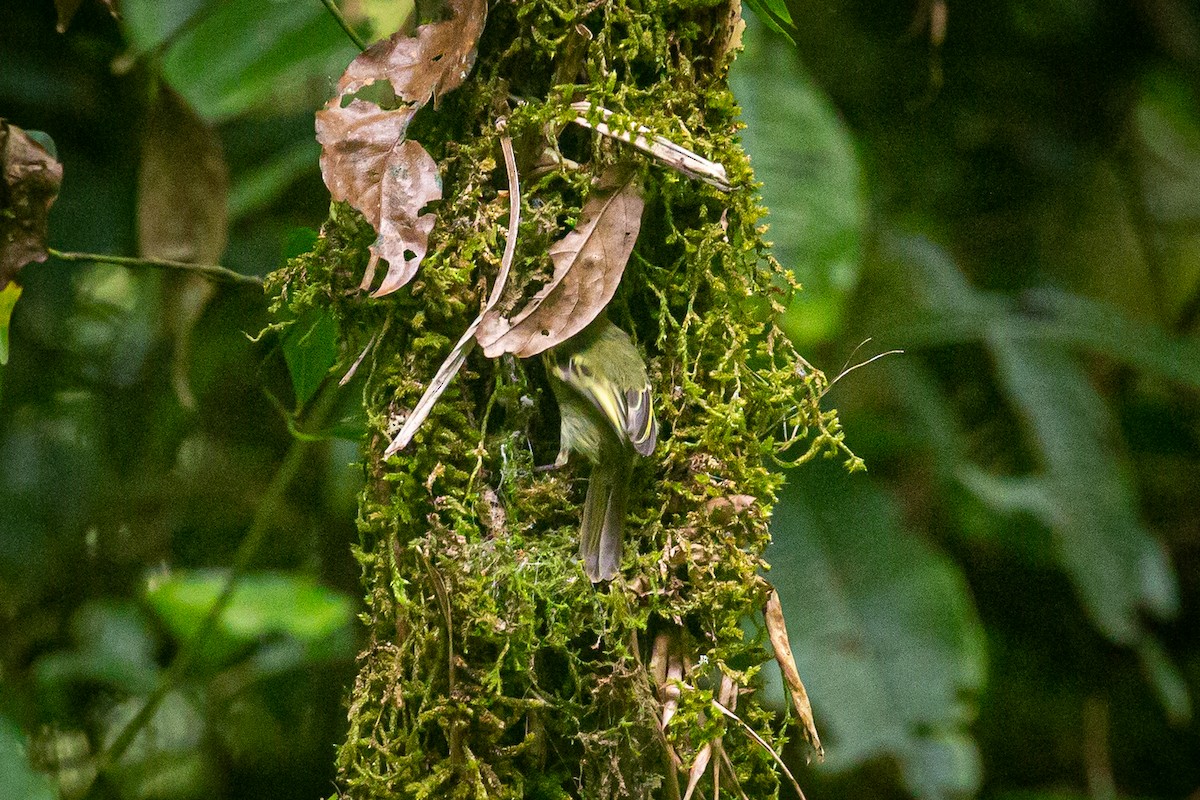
<point x="255" y="189"/>
<point x="237" y="55"/>
<point x="1085" y="496"/>
<point x="884" y="632"/>
<point x="812" y="180"/>
<point x="775" y="15"/>
<point x="262" y="604"/>
<point x="1116" y="565"/>
<point x="310" y="348"/>
<point x="113" y="647"/>
<point x="8" y="301"/>
<point x="20" y="779"/>
<point x="168" y="757"/>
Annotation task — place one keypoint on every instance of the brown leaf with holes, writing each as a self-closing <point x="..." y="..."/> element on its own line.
<point x="366" y="160"/>
<point x="435" y="61"/>
<point x="29" y="181"/>
<point x="777" y="632"/>
<point x="588" y="264"/>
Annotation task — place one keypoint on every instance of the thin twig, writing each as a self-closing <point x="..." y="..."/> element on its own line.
<point x="336" y="13"/>
<point x="466" y="343"/>
<point x="847" y="370"/>
<point x="212" y="272"/>
<point x="753" y="734"/>
<point x="191" y="649"/>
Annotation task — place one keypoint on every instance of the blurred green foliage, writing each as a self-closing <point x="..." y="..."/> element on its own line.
<point x="1006" y="606"/>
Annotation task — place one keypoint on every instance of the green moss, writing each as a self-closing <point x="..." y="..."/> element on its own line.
<point x="495" y="669"/>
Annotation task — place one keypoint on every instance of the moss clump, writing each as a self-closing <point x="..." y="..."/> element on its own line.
<point x="494" y="668"/>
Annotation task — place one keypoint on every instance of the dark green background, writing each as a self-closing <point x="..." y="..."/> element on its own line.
<point x="1005" y="606"/>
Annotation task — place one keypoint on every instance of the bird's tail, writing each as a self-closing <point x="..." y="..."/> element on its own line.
<point x="603" y="526"/>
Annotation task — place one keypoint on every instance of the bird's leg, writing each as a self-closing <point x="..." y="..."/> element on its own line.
<point x="559" y="462"/>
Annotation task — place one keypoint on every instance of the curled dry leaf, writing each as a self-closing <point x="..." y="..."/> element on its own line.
<point x="777" y="631"/>
<point x="183" y="185"/>
<point x="29" y="181"/>
<point x="435" y="61"/>
<point x="588" y="265"/>
<point x="366" y="159"/>
<point x="673" y="155"/>
<point x="367" y="162"/>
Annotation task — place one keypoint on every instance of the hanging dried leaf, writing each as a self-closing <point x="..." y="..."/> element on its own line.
<point x="435" y="61"/>
<point x="183" y="185"/>
<point x="777" y="631"/>
<point x="588" y="264"/>
<point x="365" y="158"/>
<point x="183" y="191"/>
<point x="29" y="181"/>
<point x="367" y="162"/>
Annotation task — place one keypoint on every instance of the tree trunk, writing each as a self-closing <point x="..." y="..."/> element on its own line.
<point x="495" y="668"/>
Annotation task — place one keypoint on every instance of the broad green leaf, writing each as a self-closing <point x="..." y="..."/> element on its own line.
<point x="255" y="189"/>
<point x="113" y="647"/>
<point x="20" y="779"/>
<point x="812" y="181"/>
<point x="167" y="757"/>
<point x="1080" y="490"/>
<point x="230" y="56"/>
<point x="1116" y="565"/>
<point x="8" y="301"/>
<point x="883" y="629"/>
<point x="263" y="603"/>
<point x="1055" y="318"/>
<point x="775" y="15"/>
<point x="310" y="348"/>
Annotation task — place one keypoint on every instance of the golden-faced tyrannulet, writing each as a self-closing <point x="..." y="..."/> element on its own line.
<point x="604" y="400"/>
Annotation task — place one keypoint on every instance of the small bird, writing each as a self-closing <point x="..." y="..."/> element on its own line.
<point x="604" y="401"/>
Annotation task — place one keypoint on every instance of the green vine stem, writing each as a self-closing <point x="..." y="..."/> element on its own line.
<point x="190" y="649"/>
<point x="212" y="272"/>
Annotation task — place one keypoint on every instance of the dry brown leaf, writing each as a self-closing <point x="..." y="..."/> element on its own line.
<point x="183" y="185"/>
<point x="424" y="66"/>
<point x="183" y="193"/>
<point x="588" y="264"/>
<point x="777" y="631"/>
<point x="673" y="155"/>
<point x="29" y="181"/>
<point x="367" y="162"/>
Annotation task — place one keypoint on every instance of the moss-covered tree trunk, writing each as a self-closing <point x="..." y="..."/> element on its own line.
<point x="495" y="668"/>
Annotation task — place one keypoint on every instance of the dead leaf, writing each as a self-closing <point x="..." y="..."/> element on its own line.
<point x="366" y="159"/>
<point x="367" y="162"/>
<point x="777" y="631"/>
<point x="435" y="61"/>
<point x="183" y="185"/>
<point x="588" y="265"/>
<point x="183" y="191"/>
<point x="29" y="181"/>
<point x="673" y="155"/>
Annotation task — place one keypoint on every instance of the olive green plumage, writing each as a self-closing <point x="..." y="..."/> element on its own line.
<point x="603" y="394"/>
